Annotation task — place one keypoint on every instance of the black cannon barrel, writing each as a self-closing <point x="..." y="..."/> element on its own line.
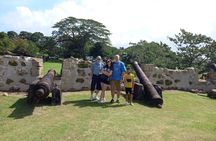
<point x="40" y="89"/>
<point x="152" y="94"/>
<point x="45" y="85"/>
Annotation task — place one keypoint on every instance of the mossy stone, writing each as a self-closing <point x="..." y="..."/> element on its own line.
<point x="23" y="81"/>
<point x="80" y="80"/>
<point x="160" y="82"/>
<point x="9" y="81"/>
<point x="168" y="82"/>
<point x="12" y="63"/>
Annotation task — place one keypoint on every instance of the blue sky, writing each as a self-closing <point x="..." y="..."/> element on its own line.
<point x="10" y="5"/>
<point x="127" y="20"/>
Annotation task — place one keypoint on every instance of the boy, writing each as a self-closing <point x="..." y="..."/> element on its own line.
<point x="129" y="85"/>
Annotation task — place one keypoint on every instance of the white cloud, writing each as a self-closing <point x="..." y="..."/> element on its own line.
<point x="128" y="20"/>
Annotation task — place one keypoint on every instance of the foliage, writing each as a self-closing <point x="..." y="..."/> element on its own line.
<point x="74" y="35"/>
<point x="150" y="53"/>
<point x="210" y="52"/>
<point x="25" y="35"/>
<point x="184" y="117"/>
<point x="25" y="48"/>
<point x="103" y="50"/>
<point x="12" y="35"/>
<point x="6" y="45"/>
<point x="192" y="48"/>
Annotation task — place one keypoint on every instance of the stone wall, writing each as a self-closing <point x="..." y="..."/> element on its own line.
<point x="76" y="75"/>
<point x="177" y="79"/>
<point x="16" y="73"/>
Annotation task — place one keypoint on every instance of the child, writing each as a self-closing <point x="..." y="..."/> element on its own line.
<point x="129" y="85"/>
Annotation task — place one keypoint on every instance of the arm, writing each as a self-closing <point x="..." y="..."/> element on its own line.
<point x="123" y="69"/>
<point x="107" y="73"/>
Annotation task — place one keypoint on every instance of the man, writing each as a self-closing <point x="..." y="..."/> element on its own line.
<point x="96" y="72"/>
<point x="117" y="75"/>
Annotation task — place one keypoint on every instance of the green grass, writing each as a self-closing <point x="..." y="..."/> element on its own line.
<point x="52" y="65"/>
<point x="184" y="117"/>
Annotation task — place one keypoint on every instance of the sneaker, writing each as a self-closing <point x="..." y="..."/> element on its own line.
<point x="126" y="103"/>
<point x="117" y="101"/>
<point x="131" y="104"/>
<point x="112" y="101"/>
<point x="91" y="98"/>
<point x="101" y="101"/>
<point x="97" y="98"/>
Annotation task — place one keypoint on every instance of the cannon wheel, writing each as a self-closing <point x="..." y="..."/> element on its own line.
<point x="56" y="96"/>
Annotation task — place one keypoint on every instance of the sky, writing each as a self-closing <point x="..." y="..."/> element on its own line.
<point x="127" y="20"/>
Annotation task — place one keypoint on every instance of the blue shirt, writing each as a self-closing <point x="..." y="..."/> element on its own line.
<point x="96" y="68"/>
<point x="118" y="70"/>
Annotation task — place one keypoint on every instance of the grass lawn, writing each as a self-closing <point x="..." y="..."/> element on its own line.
<point x="52" y="65"/>
<point x="184" y="117"/>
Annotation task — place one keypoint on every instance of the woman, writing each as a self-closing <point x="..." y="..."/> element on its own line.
<point x="105" y="79"/>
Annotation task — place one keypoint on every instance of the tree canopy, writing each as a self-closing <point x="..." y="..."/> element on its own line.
<point x="155" y="53"/>
<point x="193" y="49"/>
<point x="75" y="35"/>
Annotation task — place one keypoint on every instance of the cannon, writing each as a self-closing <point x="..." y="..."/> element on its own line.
<point x="152" y="94"/>
<point x="40" y="89"/>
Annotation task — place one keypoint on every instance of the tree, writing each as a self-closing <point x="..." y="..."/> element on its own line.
<point x="150" y="53"/>
<point x="37" y="37"/>
<point x="6" y="45"/>
<point x="50" y="48"/>
<point x="25" y="35"/>
<point x="75" y="34"/>
<point x="12" y="35"/>
<point x="25" y="48"/>
<point x="210" y="52"/>
<point x="191" y="48"/>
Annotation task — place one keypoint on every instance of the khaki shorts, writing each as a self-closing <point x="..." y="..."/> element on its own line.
<point x="115" y="85"/>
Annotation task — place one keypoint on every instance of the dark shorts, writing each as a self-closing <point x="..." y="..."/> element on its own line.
<point x="128" y="91"/>
<point x="104" y="79"/>
<point x="95" y="83"/>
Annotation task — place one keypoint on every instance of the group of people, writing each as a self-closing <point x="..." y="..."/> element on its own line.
<point x="111" y="74"/>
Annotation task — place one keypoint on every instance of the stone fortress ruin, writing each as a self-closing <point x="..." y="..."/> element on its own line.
<point x="16" y="73"/>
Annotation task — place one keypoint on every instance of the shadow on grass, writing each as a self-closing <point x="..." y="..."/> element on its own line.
<point x="147" y="104"/>
<point x="22" y="109"/>
<point x="87" y="103"/>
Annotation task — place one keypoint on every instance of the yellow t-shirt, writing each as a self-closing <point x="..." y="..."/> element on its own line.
<point x="128" y="80"/>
